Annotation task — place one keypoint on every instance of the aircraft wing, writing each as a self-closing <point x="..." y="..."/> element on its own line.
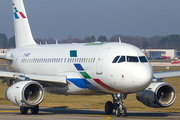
<point x="45" y="80"/>
<point x="168" y="74"/>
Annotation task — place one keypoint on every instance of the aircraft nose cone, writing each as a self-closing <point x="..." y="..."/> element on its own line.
<point x="141" y="77"/>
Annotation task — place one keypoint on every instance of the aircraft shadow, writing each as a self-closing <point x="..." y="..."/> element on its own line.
<point x="66" y="110"/>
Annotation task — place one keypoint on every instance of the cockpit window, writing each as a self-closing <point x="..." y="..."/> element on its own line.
<point x="115" y="59"/>
<point x="143" y="59"/>
<point x="132" y="59"/>
<point x="122" y="59"/>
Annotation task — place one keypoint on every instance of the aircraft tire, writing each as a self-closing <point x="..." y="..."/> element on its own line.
<point x="23" y="110"/>
<point x="124" y="112"/>
<point x="117" y="111"/>
<point x="108" y="107"/>
<point x="35" y="110"/>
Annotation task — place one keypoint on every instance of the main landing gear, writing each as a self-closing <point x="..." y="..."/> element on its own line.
<point x="117" y="104"/>
<point x="34" y="110"/>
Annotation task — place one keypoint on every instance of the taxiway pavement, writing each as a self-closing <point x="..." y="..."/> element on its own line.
<point x="13" y="112"/>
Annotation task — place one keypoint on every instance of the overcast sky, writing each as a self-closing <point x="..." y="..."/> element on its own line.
<point x="80" y="18"/>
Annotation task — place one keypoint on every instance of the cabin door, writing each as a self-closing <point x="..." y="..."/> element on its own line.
<point x="100" y="60"/>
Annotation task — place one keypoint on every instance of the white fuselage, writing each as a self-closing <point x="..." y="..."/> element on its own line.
<point x="89" y="67"/>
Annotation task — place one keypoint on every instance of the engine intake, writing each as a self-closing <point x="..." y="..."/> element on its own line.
<point x="25" y="93"/>
<point x="157" y="95"/>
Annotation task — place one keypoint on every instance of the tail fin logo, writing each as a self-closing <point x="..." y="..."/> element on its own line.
<point x="16" y="12"/>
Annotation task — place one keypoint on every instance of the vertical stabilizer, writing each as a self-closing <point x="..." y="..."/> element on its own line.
<point x="22" y="29"/>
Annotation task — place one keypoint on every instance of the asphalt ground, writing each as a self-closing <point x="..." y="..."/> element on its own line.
<point x="13" y="112"/>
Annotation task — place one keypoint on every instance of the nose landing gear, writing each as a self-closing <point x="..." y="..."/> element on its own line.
<point x="117" y="104"/>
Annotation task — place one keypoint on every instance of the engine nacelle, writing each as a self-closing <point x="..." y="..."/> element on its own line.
<point x="25" y="93"/>
<point x="157" y="95"/>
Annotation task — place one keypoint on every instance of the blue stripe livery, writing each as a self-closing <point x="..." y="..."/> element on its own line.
<point x="89" y="85"/>
<point x="79" y="67"/>
<point x="86" y="82"/>
<point x="78" y="82"/>
<point x="82" y="83"/>
<point x="15" y="15"/>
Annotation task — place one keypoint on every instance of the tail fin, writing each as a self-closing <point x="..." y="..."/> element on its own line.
<point x="22" y="29"/>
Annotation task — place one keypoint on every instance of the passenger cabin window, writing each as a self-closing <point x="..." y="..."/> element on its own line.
<point x="132" y="59"/>
<point x="122" y="59"/>
<point x="115" y="59"/>
<point x="143" y="59"/>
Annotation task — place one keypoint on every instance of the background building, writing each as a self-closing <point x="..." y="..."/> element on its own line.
<point x="158" y="53"/>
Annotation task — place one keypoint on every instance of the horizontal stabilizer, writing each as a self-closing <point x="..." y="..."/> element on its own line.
<point x="4" y="58"/>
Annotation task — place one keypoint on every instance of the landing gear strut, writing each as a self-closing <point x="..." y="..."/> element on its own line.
<point x="117" y="104"/>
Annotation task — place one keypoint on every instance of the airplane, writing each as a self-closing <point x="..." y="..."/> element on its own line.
<point x="95" y="68"/>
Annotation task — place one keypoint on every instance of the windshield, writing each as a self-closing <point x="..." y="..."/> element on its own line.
<point x="143" y="59"/>
<point x="115" y="59"/>
<point x="122" y="59"/>
<point x="132" y="59"/>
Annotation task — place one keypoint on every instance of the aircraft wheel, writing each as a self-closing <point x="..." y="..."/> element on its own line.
<point x="108" y="107"/>
<point x="23" y="110"/>
<point x="118" y="112"/>
<point x="124" y="112"/>
<point x="35" y="110"/>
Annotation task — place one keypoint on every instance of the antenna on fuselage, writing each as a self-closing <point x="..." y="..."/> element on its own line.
<point x="56" y="42"/>
<point x="119" y="40"/>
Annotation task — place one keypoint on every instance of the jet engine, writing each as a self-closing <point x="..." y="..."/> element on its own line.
<point x="25" y="93"/>
<point x="157" y="95"/>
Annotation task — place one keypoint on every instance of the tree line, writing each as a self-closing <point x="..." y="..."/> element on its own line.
<point x="5" y="42"/>
<point x="155" y="42"/>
